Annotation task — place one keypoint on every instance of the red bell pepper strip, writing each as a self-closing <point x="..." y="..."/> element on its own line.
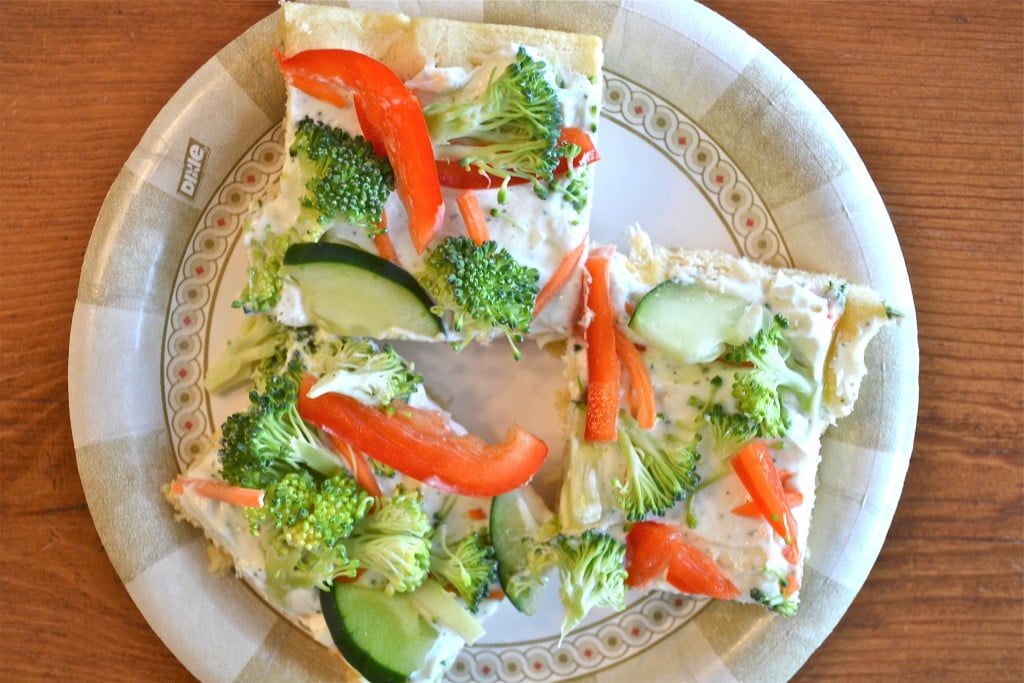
<point x="453" y="174"/>
<point x="423" y="445"/>
<point x="655" y="550"/>
<point x="603" y="372"/>
<point x="391" y="119"/>
<point x="753" y="465"/>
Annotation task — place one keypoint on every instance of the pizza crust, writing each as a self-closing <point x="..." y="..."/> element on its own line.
<point x="408" y="44"/>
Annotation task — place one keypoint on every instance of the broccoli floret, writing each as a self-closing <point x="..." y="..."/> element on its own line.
<point x="593" y="574"/>
<point x="482" y="288"/>
<point x="376" y="377"/>
<point x="542" y="555"/>
<point x="270" y="439"/>
<point x="316" y="529"/>
<point x="263" y="281"/>
<point x="657" y="473"/>
<point x="575" y="185"/>
<point x="758" y="391"/>
<point x="343" y="176"/>
<point x="508" y="129"/>
<point x="757" y="397"/>
<point x="303" y="524"/>
<point x="469" y="566"/>
<point x="258" y="338"/>
<point x="393" y="542"/>
<point x="728" y="431"/>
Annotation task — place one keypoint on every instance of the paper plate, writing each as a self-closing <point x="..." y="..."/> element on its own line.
<point x="707" y="140"/>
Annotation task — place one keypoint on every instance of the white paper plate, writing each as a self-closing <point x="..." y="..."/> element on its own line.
<point x="707" y="140"/>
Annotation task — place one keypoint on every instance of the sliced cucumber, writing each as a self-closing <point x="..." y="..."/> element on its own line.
<point x="383" y="637"/>
<point x="692" y="323"/>
<point x="514" y="517"/>
<point x="351" y="292"/>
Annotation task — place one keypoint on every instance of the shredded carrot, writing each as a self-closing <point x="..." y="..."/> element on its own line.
<point x="603" y="372"/>
<point x="496" y="594"/>
<point x="358" y="465"/>
<point x="476" y="513"/>
<point x="561" y="275"/>
<point x="641" y="390"/>
<point x="750" y="509"/>
<point x="756" y="470"/>
<point x="219" y="490"/>
<point x="382" y="240"/>
<point x="473" y="216"/>
<point x="792" y="585"/>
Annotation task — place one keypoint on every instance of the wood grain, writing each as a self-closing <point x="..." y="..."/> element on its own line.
<point x="930" y="94"/>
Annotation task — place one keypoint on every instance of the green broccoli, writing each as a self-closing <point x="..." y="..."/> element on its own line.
<point x="302" y="525"/>
<point x="758" y="391"/>
<point x="258" y="338"/>
<point x="482" y="288"/>
<point x="266" y="250"/>
<point x="314" y="530"/>
<point x="576" y="183"/>
<point x="358" y="368"/>
<point x="270" y="439"/>
<point x="343" y="176"/>
<point x="393" y="542"/>
<point x="343" y="179"/>
<point x="508" y="129"/>
<point x="542" y="556"/>
<point x="657" y="473"/>
<point x="468" y="566"/>
<point x="728" y="431"/>
<point x="593" y="574"/>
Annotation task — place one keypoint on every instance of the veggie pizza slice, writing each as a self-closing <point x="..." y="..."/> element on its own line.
<point x="700" y="386"/>
<point x="449" y="164"/>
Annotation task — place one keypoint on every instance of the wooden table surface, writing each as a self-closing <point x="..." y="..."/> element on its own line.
<point x="930" y="94"/>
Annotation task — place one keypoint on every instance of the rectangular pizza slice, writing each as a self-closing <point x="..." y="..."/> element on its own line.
<point x="701" y="384"/>
<point x="452" y="163"/>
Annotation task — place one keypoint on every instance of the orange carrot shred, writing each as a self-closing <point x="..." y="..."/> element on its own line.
<point x="476" y="513"/>
<point x="473" y="217"/>
<point x="382" y="240"/>
<point x="219" y="490"/>
<point x="750" y="509"/>
<point x="641" y="389"/>
<point x="561" y="275"/>
<point x="358" y="465"/>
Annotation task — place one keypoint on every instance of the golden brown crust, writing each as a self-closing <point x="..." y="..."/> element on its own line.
<point x="863" y="316"/>
<point x="408" y="44"/>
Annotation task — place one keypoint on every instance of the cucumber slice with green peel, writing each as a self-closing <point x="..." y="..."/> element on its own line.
<point x="691" y="323"/>
<point x="514" y="517"/>
<point x="351" y="292"/>
<point x="383" y="637"/>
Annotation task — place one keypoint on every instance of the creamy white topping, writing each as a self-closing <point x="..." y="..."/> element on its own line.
<point x="748" y="549"/>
